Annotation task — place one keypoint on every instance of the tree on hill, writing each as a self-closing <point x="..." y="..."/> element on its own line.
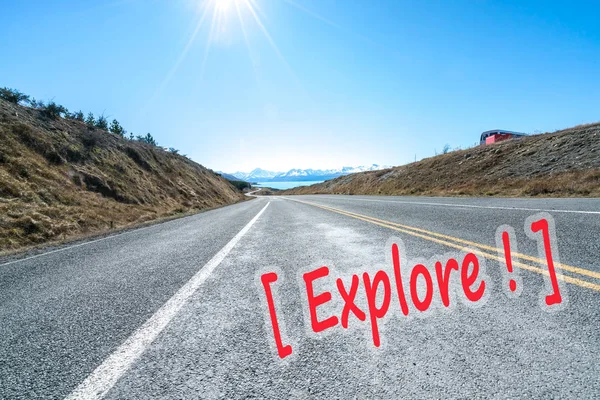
<point x="53" y="110"/>
<point x="102" y="123"/>
<point x="90" y="121"/>
<point x="13" y="95"/>
<point x="147" y="139"/>
<point x="37" y="104"/>
<point x="116" y="128"/>
<point x="78" y="116"/>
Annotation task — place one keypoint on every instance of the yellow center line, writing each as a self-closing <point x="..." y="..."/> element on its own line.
<point x="527" y="257"/>
<point x="427" y="235"/>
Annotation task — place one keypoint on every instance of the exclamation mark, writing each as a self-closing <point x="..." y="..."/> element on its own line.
<point x="512" y="284"/>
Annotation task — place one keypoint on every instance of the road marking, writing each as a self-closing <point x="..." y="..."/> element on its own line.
<point x="471" y="206"/>
<point x="86" y="242"/>
<point x="527" y="257"/>
<point x="109" y="236"/>
<point x="106" y="375"/>
<point x="77" y="245"/>
<point x="427" y="236"/>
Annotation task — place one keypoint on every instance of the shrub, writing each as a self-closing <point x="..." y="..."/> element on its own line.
<point x="13" y="95"/>
<point x="53" y="110"/>
<point x="90" y="121"/>
<point x="446" y="149"/>
<point x="116" y="128"/>
<point x="102" y="123"/>
<point x="173" y="150"/>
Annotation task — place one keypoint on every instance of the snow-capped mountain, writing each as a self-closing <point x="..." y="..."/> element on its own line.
<point x="228" y="176"/>
<point x="257" y="174"/>
<point x="293" y="175"/>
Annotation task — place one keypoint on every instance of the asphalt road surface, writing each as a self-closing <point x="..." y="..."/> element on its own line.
<point x="176" y="310"/>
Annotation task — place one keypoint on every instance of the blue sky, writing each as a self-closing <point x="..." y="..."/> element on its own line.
<point x="315" y="84"/>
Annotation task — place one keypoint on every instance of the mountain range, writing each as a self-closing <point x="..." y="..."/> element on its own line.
<point x="298" y="175"/>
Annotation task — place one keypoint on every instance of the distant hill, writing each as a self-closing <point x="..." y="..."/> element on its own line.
<point x="563" y="163"/>
<point x="299" y="175"/>
<point x="60" y="179"/>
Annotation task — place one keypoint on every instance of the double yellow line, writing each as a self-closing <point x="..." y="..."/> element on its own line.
<point x="477" y="248"/>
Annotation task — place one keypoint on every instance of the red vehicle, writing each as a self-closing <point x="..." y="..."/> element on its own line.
<point x="497" y="135"/>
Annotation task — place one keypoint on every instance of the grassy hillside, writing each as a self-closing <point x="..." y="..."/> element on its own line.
<point x="61" y="179"/>
<point x="563" y="163"/>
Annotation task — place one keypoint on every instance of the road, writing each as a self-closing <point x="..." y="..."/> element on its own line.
<point x="176" y="310"/>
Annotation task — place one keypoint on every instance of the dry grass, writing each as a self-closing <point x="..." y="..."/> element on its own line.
<point x="61" y="180"/>
<point x="563" y="163"/>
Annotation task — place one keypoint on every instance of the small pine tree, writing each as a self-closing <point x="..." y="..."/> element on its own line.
<point x="78" y="116"/>
<point x="116" y="128"/>
<point x="131" y="136"/>
<point x="36" y="104"/>
<point x="13" y="95"/>
<point x="147" y="139"/>
<point x="102" y="123"/>
<point x="151" y="140"/>
<point x="173" y="150"/>
<point x="90" y="121"/>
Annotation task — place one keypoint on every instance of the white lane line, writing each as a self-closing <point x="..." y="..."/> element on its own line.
<point x="109" y="236"/>
<point x="106" y="375"/>
<point x="468" y="206"/>
<point x="78" y="245"/>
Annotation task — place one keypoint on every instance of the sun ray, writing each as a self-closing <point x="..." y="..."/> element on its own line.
<point x="247" y="42"/>
<point x="220" y="10"/>
<point x="211" y="34"/>
<point x="264" y="30"/>
<point x="313" y="14"/>
<point x="258" y="9"/>
<point x="182" y="55"/>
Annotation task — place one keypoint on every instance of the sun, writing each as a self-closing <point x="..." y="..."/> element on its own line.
<point x="224" y="6"/>
<point x="222" y="16"/>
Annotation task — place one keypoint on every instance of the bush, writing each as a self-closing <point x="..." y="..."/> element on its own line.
<point x="53" y="110"/>
<point x="173" y="150"/>
<point x="116" y="128"/>
<point x="446" y="149"/>
<point x="102" y="123"/>
<point x="13" y="95"/>
<point x="90" y="121"/>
